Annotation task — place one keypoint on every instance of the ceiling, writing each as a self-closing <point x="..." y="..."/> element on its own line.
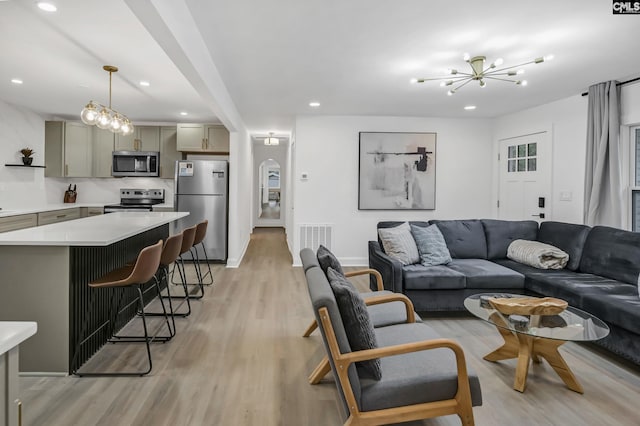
<point x="355" y="57"/>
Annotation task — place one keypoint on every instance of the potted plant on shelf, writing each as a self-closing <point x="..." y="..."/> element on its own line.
<point x="26" y="156"/>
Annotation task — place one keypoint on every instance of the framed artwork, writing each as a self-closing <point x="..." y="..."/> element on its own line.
<point x="397" y="171"/>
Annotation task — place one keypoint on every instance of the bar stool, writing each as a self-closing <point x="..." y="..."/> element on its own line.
<point x="170" y="253"/>
<point x="143" y="271"/>
<point x="188" y="238"/>
<point x="201" y="232"/>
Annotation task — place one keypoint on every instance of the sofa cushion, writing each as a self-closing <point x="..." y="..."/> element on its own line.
<point x="562" y="283"/>
<point x="612" y="253"/>
<point x="568" y="237"/>
<point x="326" y="259"/>
<point x="399" y="243"/>
<point x="618" y="305"/>
<point x="500" y="233"/>
<point x="465" y="238"/>
<point x="357" y="323"/>
<point x="431" y="245"/>
<point x="482" y="273"/>
<point x="418" y="277"/>
<point x="416" y="377"/>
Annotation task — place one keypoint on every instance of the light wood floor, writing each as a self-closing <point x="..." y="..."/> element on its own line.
<point x="239" y="359"/>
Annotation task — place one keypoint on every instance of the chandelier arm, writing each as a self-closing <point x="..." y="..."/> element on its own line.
<point x="501" y="79"/>
<point x="450" y="77"/>
<point x="469" y="80"/>
<point x="515" y="66"/>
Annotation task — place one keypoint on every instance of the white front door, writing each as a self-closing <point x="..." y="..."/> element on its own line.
<point x="525" y="177"/>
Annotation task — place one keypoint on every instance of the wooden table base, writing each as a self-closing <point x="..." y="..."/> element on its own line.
<point x="526" y="348"/>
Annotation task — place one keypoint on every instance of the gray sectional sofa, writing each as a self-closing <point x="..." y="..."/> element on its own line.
<point x="601" y="276"/>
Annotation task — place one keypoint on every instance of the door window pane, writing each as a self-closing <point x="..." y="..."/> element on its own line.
<point x="512" y="151"/>
<point x="522" y="150"/>
<point x="511" y="166"/>
<point x="522" y="165"/>
<point x="531" y="164"/>
<point x="532" y="149"/>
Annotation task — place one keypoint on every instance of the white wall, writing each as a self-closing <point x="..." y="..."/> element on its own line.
<point x="567" y="119"/>
<point x="327" y="149"/>
<point x="240" y="190"/>
<point x="279" y="154"/>
<point x="20" y="128"/>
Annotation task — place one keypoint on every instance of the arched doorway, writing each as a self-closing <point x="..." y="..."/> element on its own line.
<point x="269" y="190"/>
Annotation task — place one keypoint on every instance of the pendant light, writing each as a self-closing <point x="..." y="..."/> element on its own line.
<point x="270" y="140"/>
<point x="104" y="117"/>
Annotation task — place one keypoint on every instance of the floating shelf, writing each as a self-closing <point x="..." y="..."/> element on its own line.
<point x="23" y="165"/>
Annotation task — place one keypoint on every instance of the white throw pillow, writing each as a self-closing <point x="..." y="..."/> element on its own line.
<point x="399" y="244"/>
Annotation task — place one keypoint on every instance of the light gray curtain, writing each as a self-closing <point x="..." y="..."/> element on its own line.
<point x="602" y="191"/>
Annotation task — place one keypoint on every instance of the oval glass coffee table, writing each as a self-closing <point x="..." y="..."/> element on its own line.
<point x="531" y="337"/>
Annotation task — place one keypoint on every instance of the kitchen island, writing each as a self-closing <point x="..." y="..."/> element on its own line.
<point x="45" y="276"/>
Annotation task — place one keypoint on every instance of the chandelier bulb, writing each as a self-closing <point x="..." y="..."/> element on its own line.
<point x="498" y="62"/>
<point x="482" y="83"/>
<point x="104" y="119"/>
<point x="451" y="92"/>
<point x="116" y="124"/>
<point x="89" y="114"/>
<point x="466" y="57"/>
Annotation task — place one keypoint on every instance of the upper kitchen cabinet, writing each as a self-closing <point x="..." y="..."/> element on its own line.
<point x="202" y="138"/>
<point x="103" y="141"/>
<point x="168" y="152"/>
<point x="143" y="138"/>
<point x="68" y="149"/>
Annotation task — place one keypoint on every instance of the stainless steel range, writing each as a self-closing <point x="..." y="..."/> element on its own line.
<point x="137" y="200"/>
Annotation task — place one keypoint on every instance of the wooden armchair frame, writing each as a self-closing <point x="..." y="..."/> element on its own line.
<point x="324" y="367"/>
<point x="379" y="285"/>
<point x="460" y="404"/>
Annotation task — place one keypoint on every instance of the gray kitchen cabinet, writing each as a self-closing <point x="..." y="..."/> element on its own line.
<point x="169" y="153"/>
<point x="55" y="216"/>
<point x="103" y="142"/>
<point x="68" y="149"/>
<point x="193" y="137"/>
<point x="21" y="221"/>
<point x="91" y="211"/>
<point x="143" y="138"/>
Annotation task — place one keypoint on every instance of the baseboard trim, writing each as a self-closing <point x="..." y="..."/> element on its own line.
<point x="235" y="263"/>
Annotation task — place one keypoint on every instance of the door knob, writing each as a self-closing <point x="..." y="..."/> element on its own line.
<point x="541" y="215"/>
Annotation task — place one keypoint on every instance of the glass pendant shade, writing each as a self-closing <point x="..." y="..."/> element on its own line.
<point x="89" y="114"/>
<point x="126" y="128"/>
<point x="104" y="119"/>
<point x="116" y="124"/>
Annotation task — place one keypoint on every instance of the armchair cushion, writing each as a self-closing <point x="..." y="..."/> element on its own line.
<point x="416" y="377"/>
<point x="431" y="245"/>
<point x="357" y="323"/>
<point x="399" y="243"/>
<point x="326" y="259"/>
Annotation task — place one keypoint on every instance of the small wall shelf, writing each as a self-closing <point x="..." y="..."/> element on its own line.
<point x="22" y="165"/>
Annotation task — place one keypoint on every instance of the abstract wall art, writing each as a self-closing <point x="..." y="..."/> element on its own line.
<point x="397" y="171"/>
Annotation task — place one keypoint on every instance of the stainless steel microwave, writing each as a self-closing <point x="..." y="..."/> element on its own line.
<point x="135" y="163"/>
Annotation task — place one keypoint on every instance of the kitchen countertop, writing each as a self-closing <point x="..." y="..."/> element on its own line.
<point x="12" y="333"/>
<point x="101" y="230"/>
<point x="163" y="206"/>
<point x="5" y="212"/>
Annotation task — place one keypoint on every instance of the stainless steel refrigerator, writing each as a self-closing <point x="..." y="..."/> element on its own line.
<point x="201" y="189"/>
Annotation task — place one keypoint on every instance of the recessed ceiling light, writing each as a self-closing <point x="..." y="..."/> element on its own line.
<point x="144" y="83"/>
<point x="183" y="113"/>
<point x="47" y="7"/>
<point x="470" y="107"/>
<point x="314" y="104"/>
<point x="16" y="81"/>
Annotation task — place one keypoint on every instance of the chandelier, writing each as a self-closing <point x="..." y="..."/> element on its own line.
<point x="105" y="117"/>
<point x="270" y="140"/>
<point x="481" y="72"/>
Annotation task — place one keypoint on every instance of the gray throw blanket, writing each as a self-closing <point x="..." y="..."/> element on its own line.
<point x="536" y="254"/>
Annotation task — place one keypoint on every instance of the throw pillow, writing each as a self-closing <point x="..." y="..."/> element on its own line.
<point x="431" y="245"/>
<point x="327" y="259"/>
<point x="334" y="275"/>
<point x="399" y="244"/>
<point x="357" y="324"/>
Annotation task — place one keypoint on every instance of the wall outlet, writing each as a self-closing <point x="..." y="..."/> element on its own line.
<point x="565" y="196"/>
